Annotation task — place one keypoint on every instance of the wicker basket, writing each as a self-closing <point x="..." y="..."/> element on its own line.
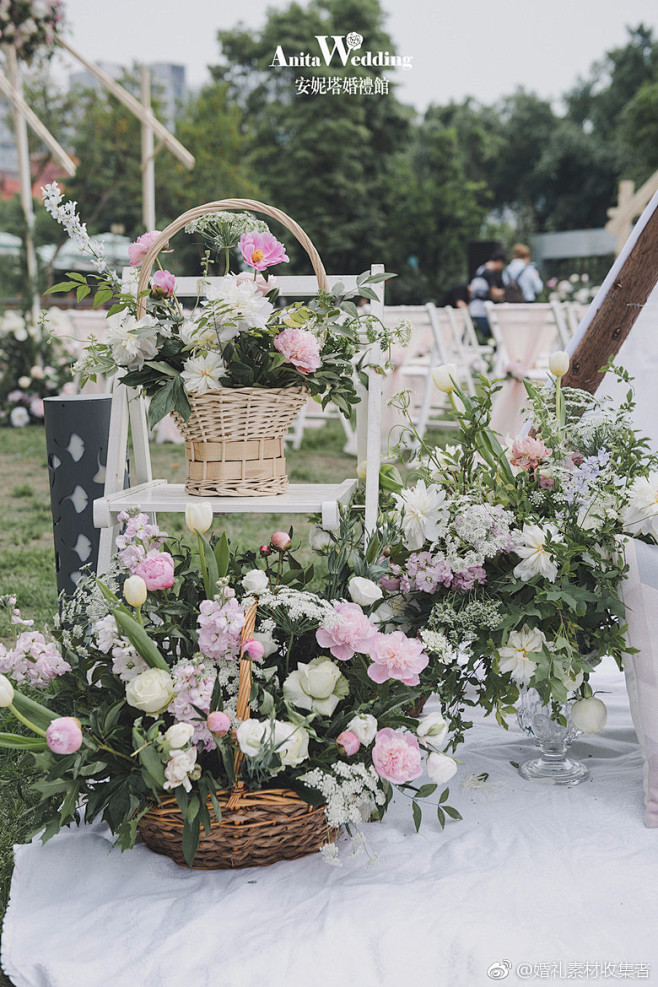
<point x="258" y="827"/>
<point x="234" y="437"/>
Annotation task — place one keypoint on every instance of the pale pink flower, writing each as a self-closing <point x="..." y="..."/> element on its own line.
<point x="396" y="756"/>
<point x="219" y="723"/>
<point x="349" y="742"/>
<point x="281" y="541"/>
<point x="300" y="347"/>
<point x="262" y="250"/>
<point x="345" y="631"/>
<point x="36" y="407"/>
<point x="396" y="656"/>
<point x="262" y="286"/>
<point x="64" y="735"/>
<point x="220" y="627"/>
<point x="528" y="453"/>
<point x="163" y="284"/>
<point x="253" y="649"/>
<point x="157" y="571"/>
<point x="138" y="250"/>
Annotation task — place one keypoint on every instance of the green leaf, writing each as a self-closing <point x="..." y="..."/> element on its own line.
<point x="162" y="367"/>
<point x="222" y="555"/>
<point x="150" y="761"/>
<point x="13" y="741"/>
<point x="212" y="569"/>
<point x="444" y="795"/>
<point x="441" y="816"/>
<point x="140" y="640"/>
<point x="452" y="812"/>
<point x="162" y="403"/>
<point x="33" y="711"/>
<point x="191" y="834"/>
<point x="417" y="813"/>
<point x="425" y="791"/>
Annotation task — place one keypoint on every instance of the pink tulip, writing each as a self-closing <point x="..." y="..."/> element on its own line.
<point x="281" y="541"/>
<point x="219" y="723"/>
<point x="262" y="250"/>
<point x="138" y="250"/>
<point x="64" y="735"/>
<point x="163" y="284"/>
<point x="349" y="742"/>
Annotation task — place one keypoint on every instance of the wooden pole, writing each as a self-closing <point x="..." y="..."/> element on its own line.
<point x="35" y="124"/>
<point x="148" y="154"/>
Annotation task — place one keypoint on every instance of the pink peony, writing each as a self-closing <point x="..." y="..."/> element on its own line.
<point x="281" y="541"/>
<point x="36" y="407"/>
<point x="138" y="250"/>
<point x="396" y="756"/>
<point x="262" y="286"/>
<point x="345" y="631"/>
<point x="163" y="284"/>
<point x="157" y="571"/>
<point x="349" y="742"/>
<point x="262" y="250"/>
<point x="300" y="347"/>
<point x="219" y="723"/>
<point x="64" y="735"/>
<point x="396" y="656"/>
<point x="253" y="649"/>
<point x="528" y="453"/>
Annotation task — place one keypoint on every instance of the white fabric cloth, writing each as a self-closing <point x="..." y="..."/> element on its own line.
<point x="532" y="875"/>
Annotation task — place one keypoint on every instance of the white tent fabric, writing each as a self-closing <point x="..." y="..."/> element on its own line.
<point x="534" y="879"/>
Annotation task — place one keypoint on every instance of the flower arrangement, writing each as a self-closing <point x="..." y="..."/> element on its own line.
<point x="507" y="560"/>
<point x="576" y="288"/>
<point x="34" y="365"/>
<point x="30" y="25"/>
<point x="145" y="682"/>
<point x="236" y="336"/>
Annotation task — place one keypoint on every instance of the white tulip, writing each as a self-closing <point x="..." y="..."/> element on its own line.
<point x="589" y="715"/>
<point x="250" y="735"/>
<point x="134" y="591"/>
<point x="364" y="727"/>
<point x="362" y="469"/>
<point x="432" y="730"/>
<point x="318" y="538"/>
<point x="256" y="582"/>
<point x="364" y="591"/>
<point x="558" y="363"/>
<point x="444" y="377"/>
<point x="150" y="691"/>
<point x="179" y="734"/>
<point x="6" y="692"/>
<point x="198" y="516"/>
<point x="440" y="768"/>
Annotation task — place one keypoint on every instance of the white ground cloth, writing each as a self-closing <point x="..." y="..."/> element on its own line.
<point x="533" y="875"/>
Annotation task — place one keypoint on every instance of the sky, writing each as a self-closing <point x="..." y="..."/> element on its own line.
<point x="460" y="48"/>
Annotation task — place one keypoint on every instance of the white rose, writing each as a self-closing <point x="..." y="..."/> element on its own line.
<point x="6" y="692"/>
<point x="440" y="768"/>
<point x="318" y="686"/>
<point x="179" y="734"/>
<point x="290" y="743"/>
<point x="150" y="691"/>
<point x="251" y="734"/>
<point x="198" y="516"/>
<point x="364" y="591"/>
<point x="364" y="726"/>
<point x="558" y="363"/>
<point x="318" y="538"/>
<point x="432" y="729"/>
<point x="444" y="377"/>
<point x="269" y="642"/>
<point x="256" y="582"/>
<point x="589" y="715"/>
<point x="178" y="768"/>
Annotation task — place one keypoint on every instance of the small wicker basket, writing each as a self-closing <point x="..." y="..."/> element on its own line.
<point x="258" y="827"/>
<point x="234" y="436"/>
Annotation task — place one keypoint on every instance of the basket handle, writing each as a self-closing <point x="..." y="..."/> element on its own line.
<point x="252" y="205"/>
<point x="244" y="681"/>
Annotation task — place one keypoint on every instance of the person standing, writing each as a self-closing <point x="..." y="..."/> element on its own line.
<point x="486" y="286"/>
<point x="521" y="277"/>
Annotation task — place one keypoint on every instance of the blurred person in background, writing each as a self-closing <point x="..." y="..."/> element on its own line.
<point x="486" y="286"/>
<point x="521" y="278"/>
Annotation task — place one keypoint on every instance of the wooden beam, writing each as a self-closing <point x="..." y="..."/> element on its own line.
<point x="37" y="126"/>
<point x="612" y="314"/>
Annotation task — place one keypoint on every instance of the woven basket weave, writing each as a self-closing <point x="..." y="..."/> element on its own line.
<point x="234" y="437"/>
<point x="258" y="827"/>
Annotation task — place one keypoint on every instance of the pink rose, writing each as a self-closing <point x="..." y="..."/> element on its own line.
<point x="281" y="541"/>
<point x="349" y="742"/>
<point x="262" y="286"/>
<point x="528" y="453"/>
<point x="345" y="631"/>
<point x="300" y="347"/>
<point x="138" y="250"/>
<point x="64" y="735"/>
<point x="253" y="649"/>
<point x="262" y="250"/>
<point x="396" y="756"/>
<point x="219" y="723"/>
<point x="396" y="656"/>
<point x="163" y="284"/>
<point x="157" y="571"/>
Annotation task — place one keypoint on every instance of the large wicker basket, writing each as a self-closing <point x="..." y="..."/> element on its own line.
<point x="234" y="437"/>
<point x="258" y="827"/>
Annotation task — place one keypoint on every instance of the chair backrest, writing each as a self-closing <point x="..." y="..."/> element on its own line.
<point x="521" y="333"/>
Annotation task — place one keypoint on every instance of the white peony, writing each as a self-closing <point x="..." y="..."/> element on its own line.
<point x="641" y="514"/>
<point x="290" y="743"/>
<point x="19" y="416"/>
<point x="421" y="514"/>
<point x="256" y="582"/>
<point x="196" y="336"/>
<point x="589" y="715"/>
<point x="202" y="373"/>
<point x="179" y="734"/>
<point x="537" y="560"/>
<point x="440" y="767"/>
<point x="364" y="727"/>
<point x="318" y="686"/>
<point x="432" y="730"/>
<point x="364" y="591"/>
<point x="151" y="691"/>
<point x="250" y="735"/>
<point x="178" y="768"/>
<point x="132" y="342"/>
<point x="236" y="306"/>
<point x="514" y="655"/>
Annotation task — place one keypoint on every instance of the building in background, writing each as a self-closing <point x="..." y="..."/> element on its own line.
<point x="168" y="86"/>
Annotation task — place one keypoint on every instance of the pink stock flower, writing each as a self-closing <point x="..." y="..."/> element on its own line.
<point x="299" y="347"/>
<point x="219" y="723"/>
<point x="138" y="250"/>
<point x="32" y="660"/>
<point x="262" y="286"/>
<point x="157" y="571"/>
<point x="281" y="541"/>
<point x="262" y="250"/>
<point x="349" y="742"/>
<point x="253" y="649"/>
<point x="468" y="578"/>
<point x="396" y="756"/>
<point x="193" y="687"/>
<point x="528" y="453"/>
<point x="163" y="284"/>
<point x="64" y="735"/>
<point x="396" y="656"/>
<point x="345" y="631"/>
<point x="390" y="583"/>
<point x="220" y="627"/>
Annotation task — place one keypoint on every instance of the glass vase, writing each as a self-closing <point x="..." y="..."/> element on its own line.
<point x="538" y="721"/>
